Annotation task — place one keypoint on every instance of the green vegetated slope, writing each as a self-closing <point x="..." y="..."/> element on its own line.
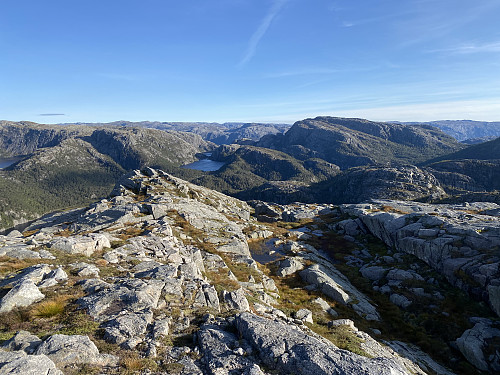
<point x="475" y="170"/>
<point x="483" y="151"/>
<point x="71" y="173"/>
<point x="303" y="164"/>
<point x="250" y="167"/>
<point x="360" y="184"/>
<point x="480" y="174"/>
<point x="68" y="166"/>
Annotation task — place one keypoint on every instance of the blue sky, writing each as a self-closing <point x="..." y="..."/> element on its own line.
<point x="249" y="60"/>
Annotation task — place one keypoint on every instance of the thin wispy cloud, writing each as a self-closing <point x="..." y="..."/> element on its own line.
<point x="382" y="18"/>
<point x="261" y="31"/>
<point x="52" y="114"/>
<point x="472" y="48"/>
<point x="428" y="24"/>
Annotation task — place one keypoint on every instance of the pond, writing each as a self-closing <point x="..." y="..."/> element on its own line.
<point x="265" y="251"/>
<point x="205" y="165"/>
<point x="5" y="162"/>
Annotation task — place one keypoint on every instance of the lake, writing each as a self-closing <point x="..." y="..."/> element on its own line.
<point x="5" y="162"/>
<point x="205" y="165"/>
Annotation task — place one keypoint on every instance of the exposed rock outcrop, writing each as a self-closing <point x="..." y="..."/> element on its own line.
<point x="160" y="275"/>
<point x="456" y="240"/>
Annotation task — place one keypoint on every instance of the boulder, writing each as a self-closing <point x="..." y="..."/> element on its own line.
<point x="236" y="300"/>
<point x="253" y="370"/>
<point x="219" y="351"/>
<point x="235" y="246"/>
<point x="161" y="328"/>
<point x="131" y="295"/>
<point x="7" y="357"/>
<point x="401" y="275"/>
<point x="34" y="273"/>
<point x="66" y="350"/>
<point x="473" y="342"/>
<point x="494" y="296"/>
<point x="289" y="266"/>
<point x="85" y="269"/>
<point x="128" y="329"/>
<point x="325" y="306"/>
<point x="53" y="278"/>
<point x="373" y="273"/>
<point x="266" y="209"/>
<point x="22" y="340"/>
<point x="21" y="295"/>
<point x="269" y="284"/>
<point x="79" y="244"/>
<point x="314" y="275"/>
<point x="400" y="300"/>
<point x="342" y="322"/>
<point x="287" y="350"/>
<point x="30" y="365"/>
<point x="304" y="315"/>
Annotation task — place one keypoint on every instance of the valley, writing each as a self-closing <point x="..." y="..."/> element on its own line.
<point x="339" y="246"/>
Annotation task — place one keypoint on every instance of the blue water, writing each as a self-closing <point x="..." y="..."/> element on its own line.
<point x="265" y="251"/>
<point x="205" y="165"/>
<point x="5" y="162"/>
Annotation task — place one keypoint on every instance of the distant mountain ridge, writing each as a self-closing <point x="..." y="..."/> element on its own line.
<point x="322" y="159"/>
<point x="218" y="133"/>
<point x="463" y="130"/>
<point x="350" y="142"/>
<point x="145" y="146"/>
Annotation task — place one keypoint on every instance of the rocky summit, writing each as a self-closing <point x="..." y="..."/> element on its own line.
<point x="166" y="277"/>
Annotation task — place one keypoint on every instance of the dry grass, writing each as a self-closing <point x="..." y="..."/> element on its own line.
<point x="132" y="363"/>
<point x="386" y="208"/>
<point x="11" y="265"/>
<point x="242" y="271"/>
<point x="30" y="232"/>
<point x="294" y="297"/>
<point x="341" y="336"/>
<point x="130" y="231"/>
<point x="51" y="307"/>
<point x="101" y="262"/>
<point x="57" y="313"/>
<point x="291" y="225"/>
<point x="64" y="233"/>
<point x="221" y="280"/>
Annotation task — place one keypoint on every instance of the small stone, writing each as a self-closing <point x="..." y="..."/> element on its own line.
<point x="305" y="315"/>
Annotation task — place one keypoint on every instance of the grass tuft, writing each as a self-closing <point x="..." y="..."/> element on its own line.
<point x="132" y="363"/>
<point x="51" y="307"/>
